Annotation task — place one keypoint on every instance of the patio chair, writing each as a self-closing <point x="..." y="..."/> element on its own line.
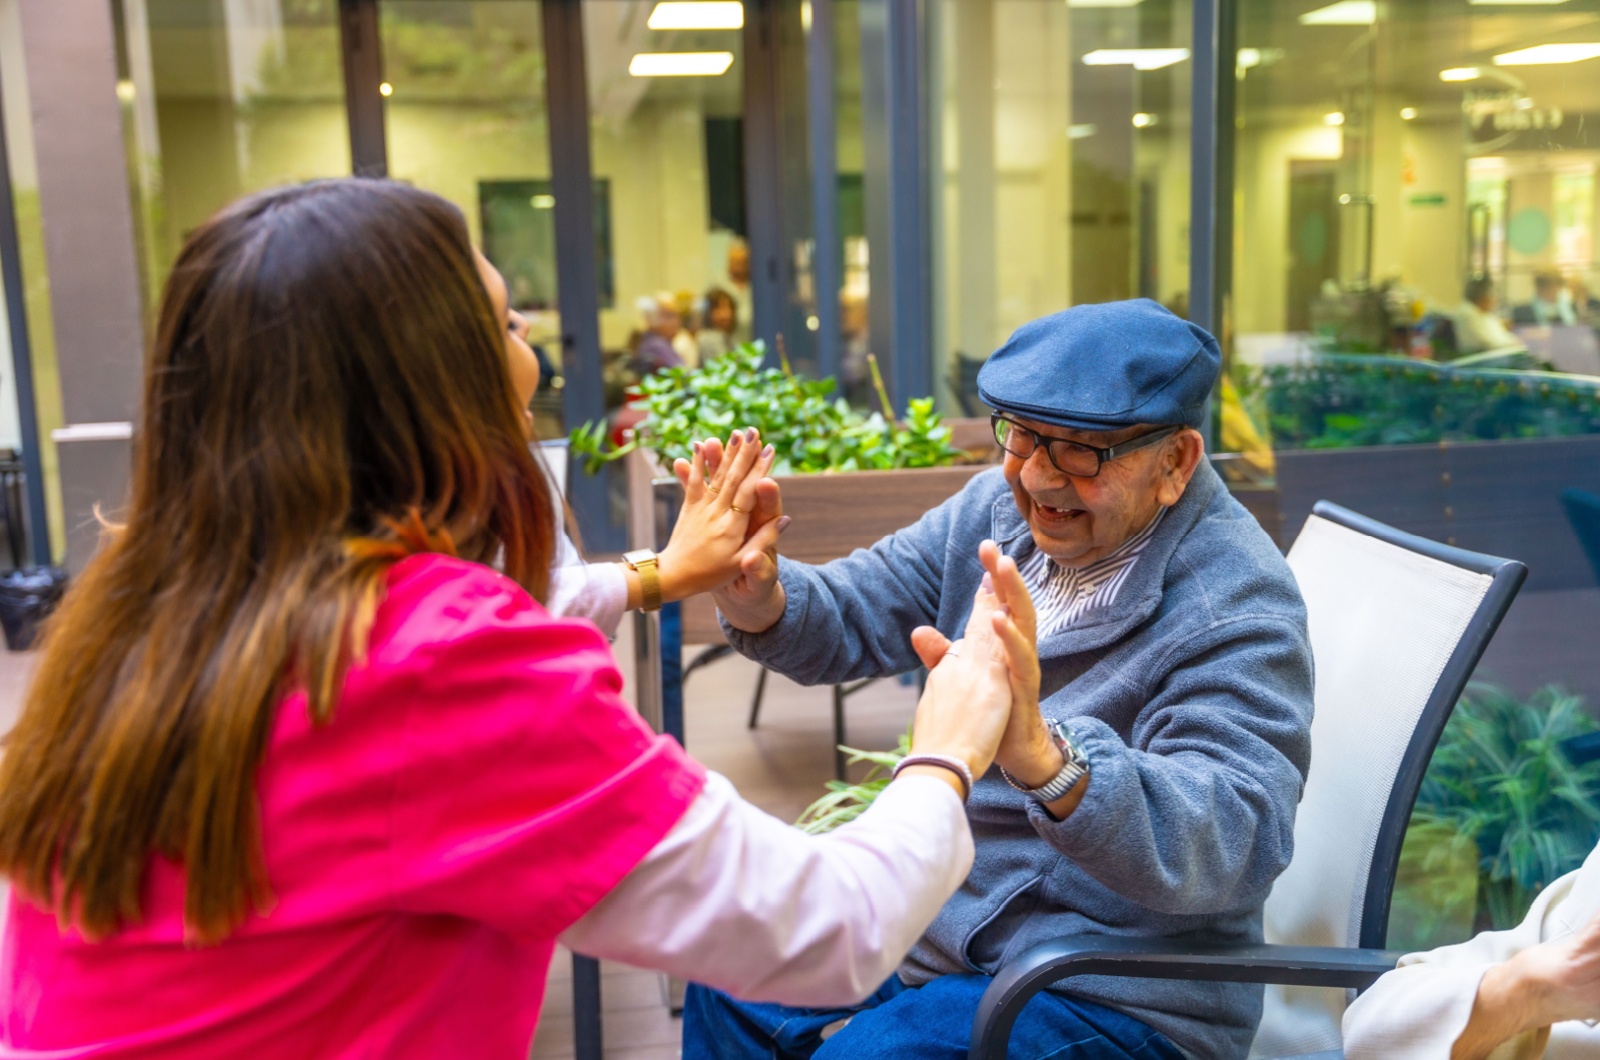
<point x="1398" y="623"/>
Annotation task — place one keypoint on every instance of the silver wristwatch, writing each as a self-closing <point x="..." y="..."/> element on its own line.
<point x="1074" y="766"/>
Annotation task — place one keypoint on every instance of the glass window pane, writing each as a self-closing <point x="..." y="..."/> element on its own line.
<point x="223" y="99"/>
<point x="667" y="136"/>
<point x="1415" y="337"/>
<point x="1062" y="139"/>
<point x="465" y="118"/>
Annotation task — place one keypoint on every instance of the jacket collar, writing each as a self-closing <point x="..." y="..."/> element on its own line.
<point x="1141" y="595"/>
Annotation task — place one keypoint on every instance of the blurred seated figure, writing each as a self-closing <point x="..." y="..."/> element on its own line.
<point x="1584" y="304"/>
<point x="1532" y="991"/>
<point x="1477" y="326"/>
<point x="722" y="322"/>
<point x="738" y="286"/>
<point x="661" y="325"/>
<point x="684" y="342"/>
<point x="1552" y="303"/>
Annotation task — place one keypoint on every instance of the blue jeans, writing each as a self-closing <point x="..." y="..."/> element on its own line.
<point x="932" y="1022"/>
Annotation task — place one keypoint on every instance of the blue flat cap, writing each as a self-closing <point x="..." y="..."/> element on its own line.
<point x="1103" y="367"/>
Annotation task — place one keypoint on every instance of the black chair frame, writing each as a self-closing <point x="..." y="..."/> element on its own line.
<point x="1047" y="963"/>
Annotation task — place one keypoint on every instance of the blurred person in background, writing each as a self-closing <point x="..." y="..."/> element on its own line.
<point x="1584" y="304"/>
<point x="738" y="285"/>
<point x="1478" y="326"/>
<point x="308" y="770"/>
<point x="656" y="349"/>
<point x="685" y="343"/>
<point x="721" y="323"/>
<point x="1552" y="302"/>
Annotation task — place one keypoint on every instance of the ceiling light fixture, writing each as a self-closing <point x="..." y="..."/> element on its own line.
<point x="1408" y="113"/>
<point x="1079" y="132"/>
<point x="680" y="64"/>
<point x="1460" y="73"/>
<point x="1548" y="54"/>
<point x="543" y="202"/>
<point x="1138" y="58"/>
<point x="1343" y="13"/>
<point x="1103" y="3"/>
<point x="1514" y="3"/>
<point x="678" y="14"/>
<point x="1143" y="120"/>
<point x="1336" y="118"/>
<point x="385" y="89"/>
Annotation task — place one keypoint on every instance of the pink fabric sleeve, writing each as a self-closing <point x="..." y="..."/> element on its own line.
<point x="527" y="787"/>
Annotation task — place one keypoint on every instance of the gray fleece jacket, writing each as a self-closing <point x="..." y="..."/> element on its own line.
<point x="1191" y="693"/>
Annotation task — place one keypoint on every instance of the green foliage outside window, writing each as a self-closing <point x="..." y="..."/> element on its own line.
<point x="1502" y="813"/>
<point x="811" y="429"/>
<point x="1343" y="401"/>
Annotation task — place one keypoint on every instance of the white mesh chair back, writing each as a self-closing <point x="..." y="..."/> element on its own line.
<point x="1385" y="621"/>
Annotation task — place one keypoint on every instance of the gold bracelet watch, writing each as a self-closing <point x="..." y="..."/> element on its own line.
<point x="645" y="563"/>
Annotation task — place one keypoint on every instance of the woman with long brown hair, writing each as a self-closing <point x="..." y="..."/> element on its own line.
<point x="308" y="770"/>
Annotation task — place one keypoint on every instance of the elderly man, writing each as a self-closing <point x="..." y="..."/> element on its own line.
<point x="1167" y="708"/>
<point x="1532" y="991"/>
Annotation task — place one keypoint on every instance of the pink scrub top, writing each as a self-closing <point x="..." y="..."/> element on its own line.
<point x="480" y="787"/>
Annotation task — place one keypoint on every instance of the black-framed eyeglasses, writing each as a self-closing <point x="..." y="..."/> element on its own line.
<point x="1069" y="458"/>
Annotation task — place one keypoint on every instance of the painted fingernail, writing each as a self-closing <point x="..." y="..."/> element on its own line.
<point x="766" y="454"/>
<point x="750" y="434"/>
<point x="696" y="448"/>
<point x="738" y="436"/>
<point x="783" y="522"/>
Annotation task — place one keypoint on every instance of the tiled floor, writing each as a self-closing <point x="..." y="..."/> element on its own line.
<point x="780" y="766"/>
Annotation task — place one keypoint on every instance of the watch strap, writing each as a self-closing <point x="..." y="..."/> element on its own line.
<point x="646" y="564"/>
<point x="1074" y="767"/>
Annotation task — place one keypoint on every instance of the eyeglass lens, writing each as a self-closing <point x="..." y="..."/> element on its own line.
<point x="1068" y="457"/>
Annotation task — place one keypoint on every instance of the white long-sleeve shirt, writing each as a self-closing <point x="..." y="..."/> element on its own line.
<point x="737" y="899"/>
<point x="1417" y="1011"/>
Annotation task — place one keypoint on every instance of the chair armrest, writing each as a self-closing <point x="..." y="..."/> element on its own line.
<point x="1049" y="962"/>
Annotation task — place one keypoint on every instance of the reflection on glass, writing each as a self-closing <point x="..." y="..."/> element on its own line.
<point x="668" y="141"/>
<point x="465" y="117"/>
<point x="220" y="100"/>
<point x="1063" y="167"/>
<point x="1414" y="336"/>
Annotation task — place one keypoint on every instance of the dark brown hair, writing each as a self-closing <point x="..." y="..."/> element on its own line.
<point x="327" y="393"/>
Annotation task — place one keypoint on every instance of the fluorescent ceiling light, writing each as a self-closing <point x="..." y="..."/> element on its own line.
<point x="1460" y="73"/>
<point x="1143" y="120"/>
<point x="1336" y="118"/>
<point x="1138" y="58"/>
<point x="1343" y="13"/>
<point x="543" y="202"/>
<point x="677" y="14"/>
<point x="385" y="89"/>
<point x="1514" y="3"/>
<point x="1103" y="3"/>
<point x="1545" y="54"/>
<point x="1408" y="113"/>
<point x="680" y="64"/>
<point x="1079" y="132"/>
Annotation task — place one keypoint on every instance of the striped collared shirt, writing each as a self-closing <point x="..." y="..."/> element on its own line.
<point x="1061" y="595"/>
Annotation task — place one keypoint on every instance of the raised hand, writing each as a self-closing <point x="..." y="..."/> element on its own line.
<point x="753" y="599"/>
<point x="722" y="494"/>
<point x="966" y="705"/>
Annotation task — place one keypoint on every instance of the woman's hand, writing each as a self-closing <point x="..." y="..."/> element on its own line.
<point x="967" y="704"/>
<point x="725" y="492"/>
<point x="1557" y="980"/>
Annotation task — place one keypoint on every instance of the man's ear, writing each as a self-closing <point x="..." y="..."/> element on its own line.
<point x="1179" y="459"/>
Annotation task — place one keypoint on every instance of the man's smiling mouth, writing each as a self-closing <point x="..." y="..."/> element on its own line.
<point x="1048" y="514"/>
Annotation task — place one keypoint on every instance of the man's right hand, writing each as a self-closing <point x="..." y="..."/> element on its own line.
<point x="754" y="601"/>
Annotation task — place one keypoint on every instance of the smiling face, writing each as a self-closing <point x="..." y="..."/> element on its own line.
<point x="1077" y="521"/>
<point x="519" y="355"/>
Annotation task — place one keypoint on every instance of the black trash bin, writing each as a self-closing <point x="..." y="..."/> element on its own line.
<point x="27" y="597"/>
